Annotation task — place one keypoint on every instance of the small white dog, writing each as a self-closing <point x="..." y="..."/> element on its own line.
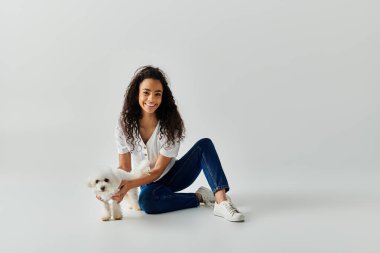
<point x="106" y="183"/>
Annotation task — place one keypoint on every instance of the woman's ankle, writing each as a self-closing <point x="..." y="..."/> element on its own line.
<point x="220" y="196"/>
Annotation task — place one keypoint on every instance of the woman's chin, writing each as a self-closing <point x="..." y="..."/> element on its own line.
<point x="149" y="111"/>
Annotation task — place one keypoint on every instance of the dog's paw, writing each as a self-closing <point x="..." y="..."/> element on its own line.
<point x="136" y="207"/>
<point x="106" y="217"/>
<point x="118" y="217"/>
<point x="117" y="213"/>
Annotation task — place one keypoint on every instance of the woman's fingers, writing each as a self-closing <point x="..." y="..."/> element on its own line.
<point x="119" y="198"/>
<point x="116" y="197"/>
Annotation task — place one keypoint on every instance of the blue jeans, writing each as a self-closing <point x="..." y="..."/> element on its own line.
<point x="161" y="196"/>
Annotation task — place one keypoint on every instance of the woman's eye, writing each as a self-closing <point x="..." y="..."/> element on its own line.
<point x="106" y="180"/>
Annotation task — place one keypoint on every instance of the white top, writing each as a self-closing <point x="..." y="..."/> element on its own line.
<point x="150" y="150"/>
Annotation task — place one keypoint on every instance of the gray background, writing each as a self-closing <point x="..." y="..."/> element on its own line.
<point x="287" y="90"/>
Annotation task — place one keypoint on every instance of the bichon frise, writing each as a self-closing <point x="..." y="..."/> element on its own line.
<point x="106" y="183"/>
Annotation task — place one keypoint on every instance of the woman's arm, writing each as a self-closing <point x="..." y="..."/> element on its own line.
<point x="125" y="161"/>
<point x="161" y="163"/>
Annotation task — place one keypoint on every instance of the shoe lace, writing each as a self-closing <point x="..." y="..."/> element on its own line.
<point x="230" y="207"/>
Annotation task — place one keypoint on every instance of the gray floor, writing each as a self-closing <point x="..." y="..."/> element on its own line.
<point x="286" y="89"/>
<point x="51" y="212"/>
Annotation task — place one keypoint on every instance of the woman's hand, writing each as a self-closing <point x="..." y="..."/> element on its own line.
<point x="119" y="196"/>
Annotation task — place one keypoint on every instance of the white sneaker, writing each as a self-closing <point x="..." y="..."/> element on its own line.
<point x="228" y="211"/>
<point x="208" y="197"/>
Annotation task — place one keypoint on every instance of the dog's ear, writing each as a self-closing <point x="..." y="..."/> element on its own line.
<point x="90" y="182"/>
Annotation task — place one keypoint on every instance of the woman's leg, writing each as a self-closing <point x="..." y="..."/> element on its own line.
<point x="160" y="196"/>
<point x="202" y="156"/>
<point x="157" y="198"/>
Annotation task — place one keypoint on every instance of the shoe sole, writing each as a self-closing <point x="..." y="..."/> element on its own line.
<point x="221" y="216"/>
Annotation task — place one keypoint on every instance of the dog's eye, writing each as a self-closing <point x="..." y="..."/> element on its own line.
<point x="96" y="181"/>
<point x="106" y="180"/>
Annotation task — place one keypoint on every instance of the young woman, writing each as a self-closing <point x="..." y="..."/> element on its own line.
<point x="150" y="127"/>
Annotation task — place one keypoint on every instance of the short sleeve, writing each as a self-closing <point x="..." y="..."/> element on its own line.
<point x="169" y="150"/>
<point x="121" y="142"/>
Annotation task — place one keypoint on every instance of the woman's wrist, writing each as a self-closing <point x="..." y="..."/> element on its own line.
<point x="125" y="186"/>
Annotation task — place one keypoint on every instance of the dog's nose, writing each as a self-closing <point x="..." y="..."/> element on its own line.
<point x="102" y="188"/>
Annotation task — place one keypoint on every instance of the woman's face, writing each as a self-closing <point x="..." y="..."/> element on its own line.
<point x="150" y="95"/>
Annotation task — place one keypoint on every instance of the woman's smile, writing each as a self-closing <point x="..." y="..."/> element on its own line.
<point x="150" y="106"/>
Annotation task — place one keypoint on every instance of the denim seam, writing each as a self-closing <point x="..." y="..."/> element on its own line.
<point x="154" y="195"/>
<point x="210" y="172"/>
<point x="189" y="196"/>
<point x="160" y="186"/>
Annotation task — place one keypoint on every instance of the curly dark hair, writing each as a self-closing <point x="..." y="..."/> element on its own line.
<point x="171" y="123"/>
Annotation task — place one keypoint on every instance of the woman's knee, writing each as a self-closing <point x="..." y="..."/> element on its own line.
<point x="147" y="202"/>
<point x="205" y="142"/>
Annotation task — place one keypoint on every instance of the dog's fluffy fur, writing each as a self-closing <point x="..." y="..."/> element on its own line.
<point x="106" y="183"/>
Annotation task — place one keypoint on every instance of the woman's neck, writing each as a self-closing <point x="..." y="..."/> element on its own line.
<point x="148" y="120"/>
